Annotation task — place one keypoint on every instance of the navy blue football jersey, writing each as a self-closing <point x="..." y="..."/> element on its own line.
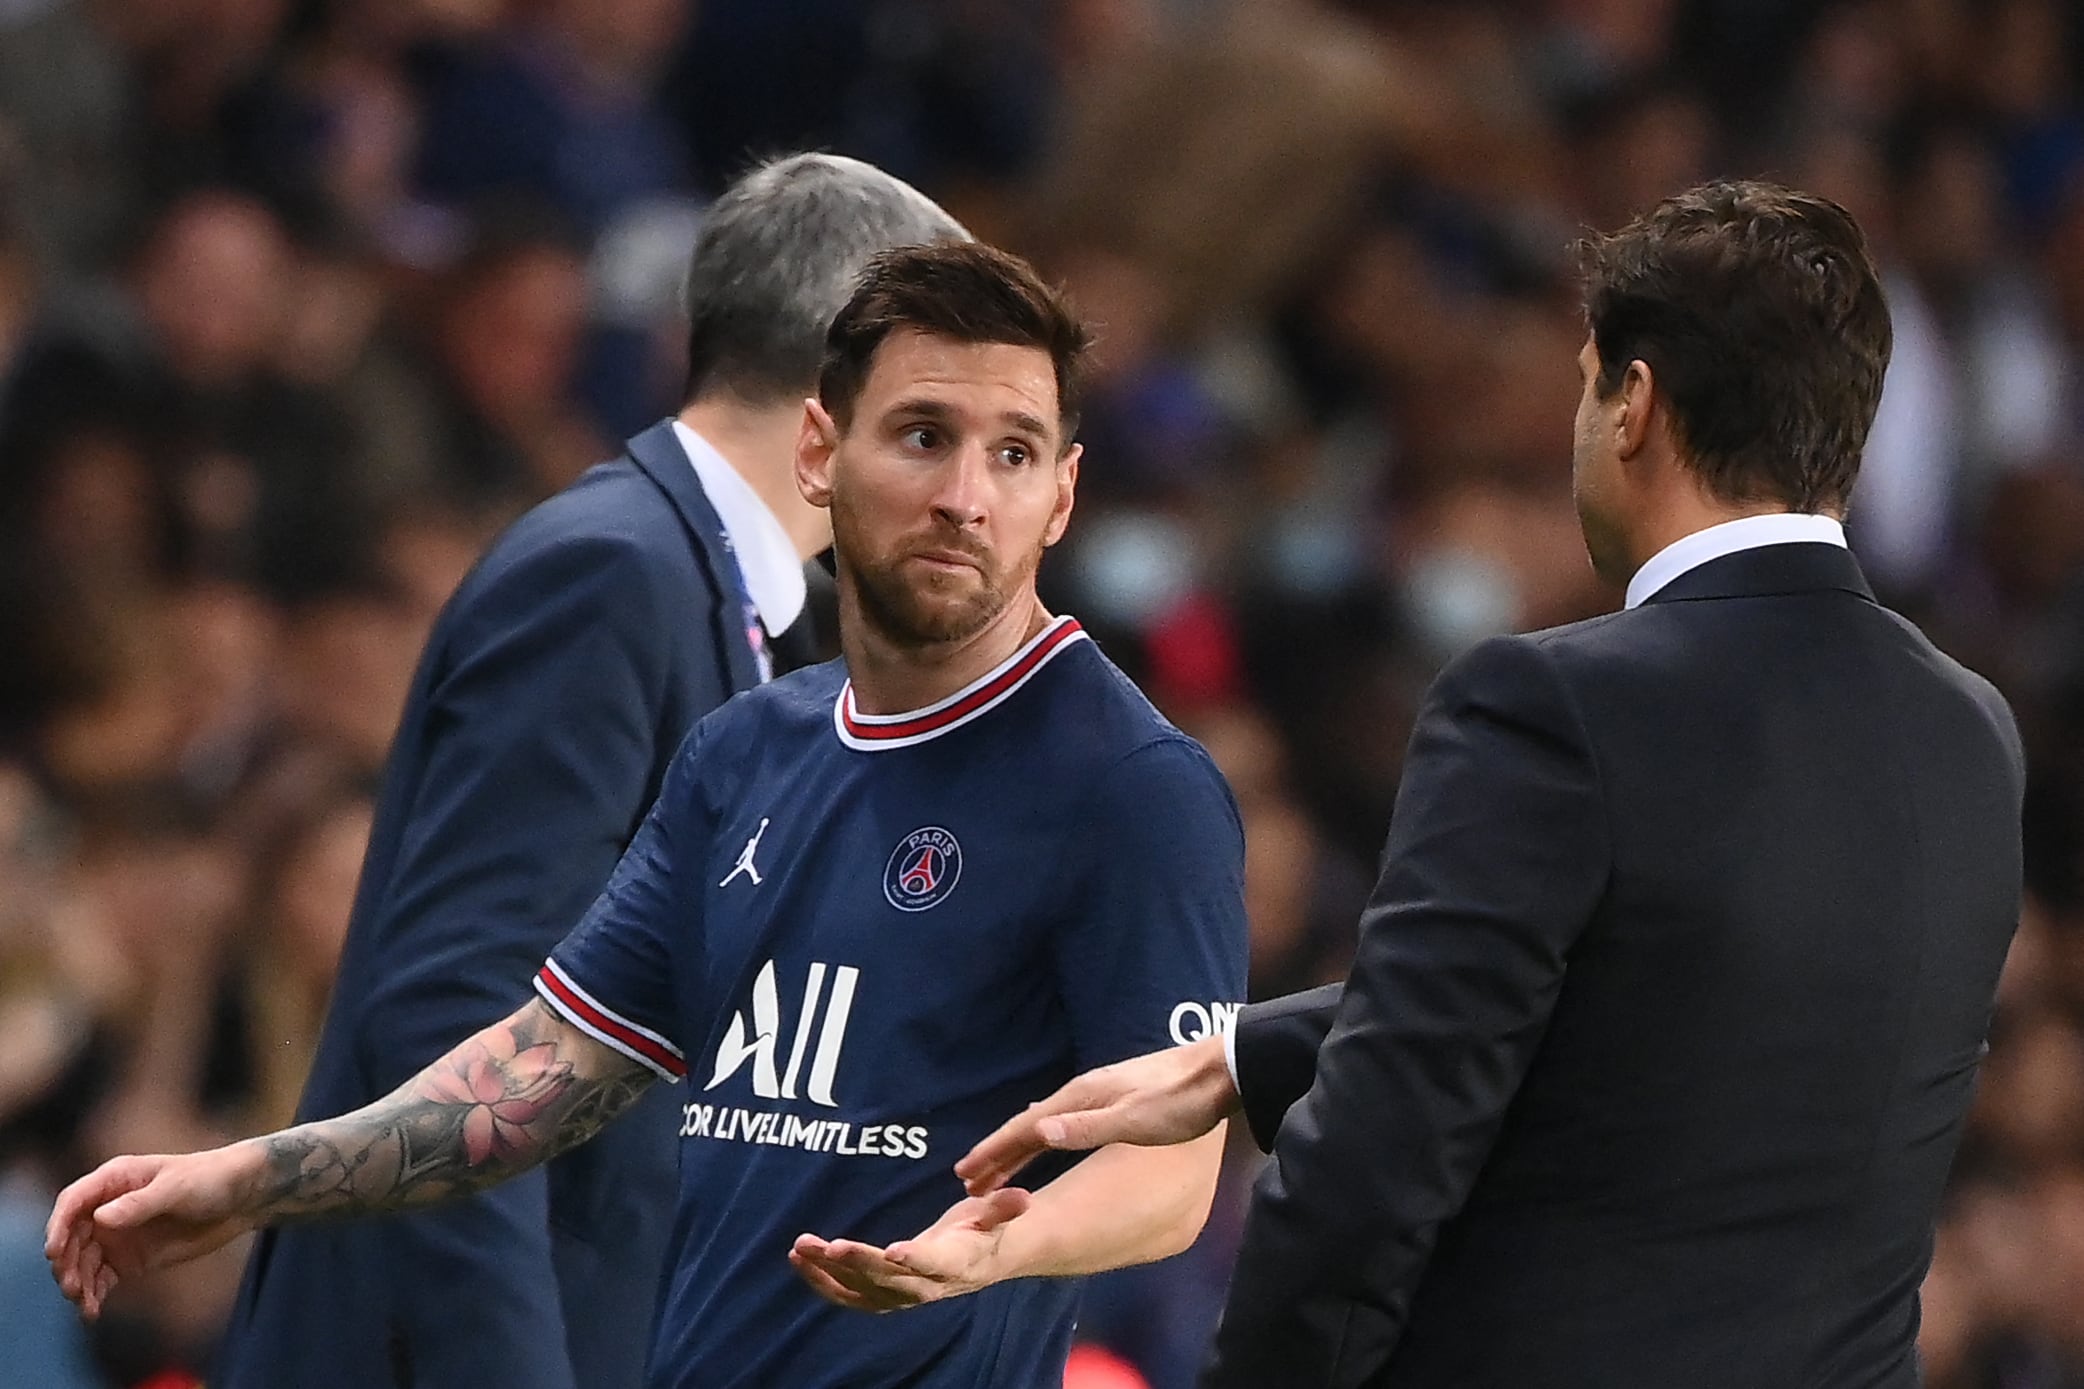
<point x="864" y="942"/>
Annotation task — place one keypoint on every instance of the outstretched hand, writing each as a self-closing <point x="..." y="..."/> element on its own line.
<point x="957" y="1254"/>
<point x="132" y="1214"/>
<point x="1154" y="1101"/>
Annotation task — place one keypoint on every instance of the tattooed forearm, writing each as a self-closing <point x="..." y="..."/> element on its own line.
<point x="515" y="1095"/>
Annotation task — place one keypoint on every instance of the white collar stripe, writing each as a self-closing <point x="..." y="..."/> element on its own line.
<point x="880" y="732"/>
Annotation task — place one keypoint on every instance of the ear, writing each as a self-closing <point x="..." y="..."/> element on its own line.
<point x="816" y="443"/>
<point x="1066" y="494"/>
<point x="1637" y="402"/>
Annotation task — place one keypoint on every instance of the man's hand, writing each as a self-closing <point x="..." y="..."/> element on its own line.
<point x="1153" y="1101"/>
<point x="957" y="1254"/>
<point x="132" y="1214"/>
<point x="513" y="1096"/>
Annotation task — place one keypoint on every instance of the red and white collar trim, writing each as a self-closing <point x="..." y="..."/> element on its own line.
<point x="881" y="732"/>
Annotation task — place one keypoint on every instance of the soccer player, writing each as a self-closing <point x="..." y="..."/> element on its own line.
<point x="879" y="906"/>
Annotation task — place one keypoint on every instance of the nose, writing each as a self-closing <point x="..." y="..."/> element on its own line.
<point x="962" y="499"/>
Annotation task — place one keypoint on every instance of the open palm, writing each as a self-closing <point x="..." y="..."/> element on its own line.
<point x="955" y="1255"/>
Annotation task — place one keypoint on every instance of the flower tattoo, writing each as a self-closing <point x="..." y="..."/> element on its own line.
<point x="504" y="1091"/>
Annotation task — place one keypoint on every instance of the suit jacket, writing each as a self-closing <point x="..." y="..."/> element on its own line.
<point x="555" y="688"/>
<point x="1665" y="1017"/>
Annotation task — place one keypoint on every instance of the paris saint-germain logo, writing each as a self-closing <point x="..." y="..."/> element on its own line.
<point x="923" y="869"/>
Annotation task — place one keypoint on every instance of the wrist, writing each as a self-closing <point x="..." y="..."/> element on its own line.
<point x="1212" y="1079"/>
<point x="1013" y="1256"/>
<point x="250" y="1172"/>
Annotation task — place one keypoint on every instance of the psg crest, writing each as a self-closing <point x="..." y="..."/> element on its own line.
<point x="922" y="870"/>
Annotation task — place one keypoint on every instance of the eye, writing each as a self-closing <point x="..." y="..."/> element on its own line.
<point x="1016" y="455"/>
<point x="923" y="437"/>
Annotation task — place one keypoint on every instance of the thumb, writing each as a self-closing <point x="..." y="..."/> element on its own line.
<point x="1007" y="1203"/>
<point x="132" y="1208"/>
<point x="978" y="1215"/>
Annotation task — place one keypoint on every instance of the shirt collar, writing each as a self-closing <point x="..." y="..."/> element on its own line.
<point x="767" y="558"/>
<point x="1744" y="533"/>
<point x="879" y="732"/>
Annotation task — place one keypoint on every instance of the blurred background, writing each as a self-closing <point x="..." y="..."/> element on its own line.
<point x="301" y="300"/>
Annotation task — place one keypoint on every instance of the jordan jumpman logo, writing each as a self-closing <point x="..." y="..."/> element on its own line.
<point x="745" y="859"/>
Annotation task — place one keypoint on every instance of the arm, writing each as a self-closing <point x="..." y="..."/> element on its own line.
<point x="1121" y="1206"/>
<point x="1497" y="858"/>
<point x="506" y="1100"/>
<point x="1262" y="1067"/>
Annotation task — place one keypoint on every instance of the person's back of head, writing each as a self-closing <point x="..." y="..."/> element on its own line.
<point x="1760" y="313"/>
<point x="778" y="257"/>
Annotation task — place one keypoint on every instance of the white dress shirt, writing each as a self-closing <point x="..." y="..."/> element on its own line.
<point x="1687" y="552"/>
<point x="767" y="558"/>
<point x="1744" y="533"/>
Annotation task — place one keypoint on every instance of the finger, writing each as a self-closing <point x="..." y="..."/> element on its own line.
<point x="1084" y="1128"/>
<point x="1003" y="1152"/>
<point x="849" y="1273"/>
<point x="77" y="1201"/>
<point x="81" y="1236"/>
<point x="861" y="1258"/>
<point x="868" y="1292"/>
<point x="75" y="1280"/>
<point x="888" y="1285"/>
<point x="104" y="1284"/>
<point x="60" y="1258"/>
<point x="57" y="1229"/>
<point x="823" y="1283"/>
<point x="871" y="1270"/>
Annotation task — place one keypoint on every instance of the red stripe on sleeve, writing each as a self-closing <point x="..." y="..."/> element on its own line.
<point x="611" y="1025"/>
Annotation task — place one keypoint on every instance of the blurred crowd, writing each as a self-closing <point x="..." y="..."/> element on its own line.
<point x="301" y="300"/>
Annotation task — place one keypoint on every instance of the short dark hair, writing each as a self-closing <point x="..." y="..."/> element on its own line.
<point x="1761" y="316"/>
<point x="778" y="253"/>
<point x="966" y="292"/>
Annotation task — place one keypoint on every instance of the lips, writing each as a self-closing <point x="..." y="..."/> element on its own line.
<point x="949" y="558"/>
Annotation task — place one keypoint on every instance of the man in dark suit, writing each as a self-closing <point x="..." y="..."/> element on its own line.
<point x="1669" y="999"/>
<point x="553" y="692"/>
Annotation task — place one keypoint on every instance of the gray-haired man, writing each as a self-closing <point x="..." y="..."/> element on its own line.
<point x="554" y="691"/>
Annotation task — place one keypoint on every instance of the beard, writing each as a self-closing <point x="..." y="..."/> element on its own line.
<point x="919" y="607"/>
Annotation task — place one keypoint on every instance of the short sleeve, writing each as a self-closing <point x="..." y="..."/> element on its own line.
<point x="1153" y="954"/>
<point x="612" y="977"/>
